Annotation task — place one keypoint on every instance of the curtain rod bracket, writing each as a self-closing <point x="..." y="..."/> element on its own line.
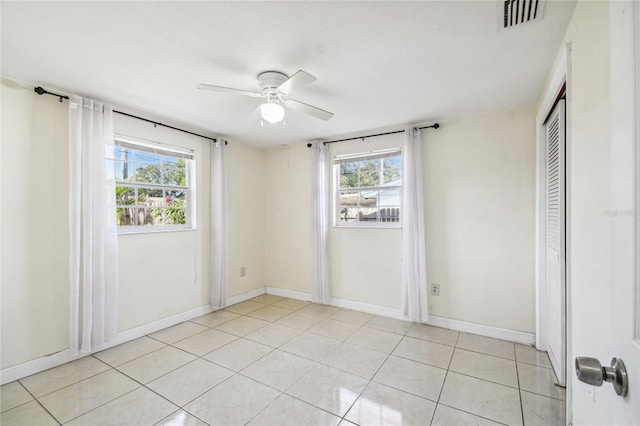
<point x="40" y="91"/>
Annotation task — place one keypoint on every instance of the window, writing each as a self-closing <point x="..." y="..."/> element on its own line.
<point x="368" y="188"/>
<point x="153" y="190"/>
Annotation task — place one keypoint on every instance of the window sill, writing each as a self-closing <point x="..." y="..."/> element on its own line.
<point x="379" y="226"/>
<point x="146" y="230"/>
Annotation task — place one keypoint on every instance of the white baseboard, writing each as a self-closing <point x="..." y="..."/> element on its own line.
<point x="35" y="366"/>
<point x="289" y="293"/>
<point x="44" y="363"/>
<point x="452" y="324"/>
<point x="143" y="330"/>
<point x="484" y="330"/>
<point x="366" y="307"/>
<point x="245" y="296"/>
<point x="342" y="303"/>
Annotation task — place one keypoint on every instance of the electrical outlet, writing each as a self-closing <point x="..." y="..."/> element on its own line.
<point x="435" y="289"/>
<point x="243" y="271"/>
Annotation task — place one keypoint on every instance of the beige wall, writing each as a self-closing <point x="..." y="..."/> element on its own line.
<point x="589" y="192"/>
<point x="479" y="177"/>
<point x="246" y="234"/>
<point x="479" y="182"/>
<point x="161" y="274"/>
<point x="34" y="228"/>
<point x="287" y="218"/>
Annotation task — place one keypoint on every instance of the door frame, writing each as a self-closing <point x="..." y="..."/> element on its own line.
<point x="560" y="77"/>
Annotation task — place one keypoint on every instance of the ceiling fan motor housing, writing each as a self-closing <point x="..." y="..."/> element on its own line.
<point x="271" y="79"/>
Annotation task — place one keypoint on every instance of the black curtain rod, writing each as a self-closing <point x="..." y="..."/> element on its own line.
<point x="40" y="91"/>
<point x="433" y="126"/>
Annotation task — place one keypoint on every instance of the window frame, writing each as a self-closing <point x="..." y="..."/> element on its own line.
<point x="337" y="191"/>
<point x="158" y="148"/>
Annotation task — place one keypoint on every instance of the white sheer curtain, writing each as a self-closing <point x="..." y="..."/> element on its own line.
<point x="414" y="262"/>
<point x="218" y="264"/>
<point x="320" y="281"/>
<point x="93" y="263"/>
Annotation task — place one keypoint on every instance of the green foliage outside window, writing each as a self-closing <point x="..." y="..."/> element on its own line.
<point x="138" y="204"/>
<point x="362" y="174"/>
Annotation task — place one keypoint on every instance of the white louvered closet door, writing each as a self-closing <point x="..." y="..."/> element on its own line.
<point x="555" y="242"/>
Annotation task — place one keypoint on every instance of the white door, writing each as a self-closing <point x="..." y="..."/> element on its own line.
<point x="555" y="241"/>
<point x="621" y="306"/>
<point x="625" y="183"/>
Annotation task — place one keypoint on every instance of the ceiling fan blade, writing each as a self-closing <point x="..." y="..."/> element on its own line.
<point x="229" y="90"/>
<point x="309" y="109"/>
<point x="296" y="81"/>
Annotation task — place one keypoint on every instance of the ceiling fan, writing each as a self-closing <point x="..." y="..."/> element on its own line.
<point x="275" y="88"/>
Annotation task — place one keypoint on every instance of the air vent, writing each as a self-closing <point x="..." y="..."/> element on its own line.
<point x="513" y="13"/>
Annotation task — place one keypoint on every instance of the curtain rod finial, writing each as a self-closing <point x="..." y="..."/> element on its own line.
<point x="309" y="145"/>
<point x="39" y="90"/>
<point x="435" y="126"/>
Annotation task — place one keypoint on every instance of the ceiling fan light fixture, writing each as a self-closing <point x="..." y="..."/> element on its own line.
<point x="272" y="112"/>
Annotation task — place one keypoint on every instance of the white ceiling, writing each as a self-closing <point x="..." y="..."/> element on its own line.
<point x="378" y="64"/>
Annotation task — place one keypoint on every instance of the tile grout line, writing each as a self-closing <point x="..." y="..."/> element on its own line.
<point x="182" y="407"/>
<point x="385" y="353"/>
<point x="466" y="349"/>
<point x="71" y="384"/>
<point x="519" y="390"/>
<point x="473" y="414"/>
<point x="284" y="392"/>
<point x="234" y="372"/>
<point x="179" y="407"/>
<point x="38" y="402"/>
<point x="207" y="353"/>
<point x="374" y="373"/>
<point x="204" y="359"/>
<point x="343" y="417"/>
<point x="535" y="392"/>
<point x="33" y="398"/>
<point x="248" y="365"/>
<point x="477" y="378"/>
<point x="37" y="399"/>
<point x="545" y="396"/>
<point x="445" y="378"/>
<point x="135" y="358"/>
<point x="279" y="396"/>
<point x="143" y="385"/>
<point x="105" y="403"/>
<point x="317" y="363"/>
<point x="292" y="384"/>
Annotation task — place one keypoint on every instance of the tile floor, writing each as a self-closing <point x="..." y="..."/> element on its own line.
<point x="277" y="361"/>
